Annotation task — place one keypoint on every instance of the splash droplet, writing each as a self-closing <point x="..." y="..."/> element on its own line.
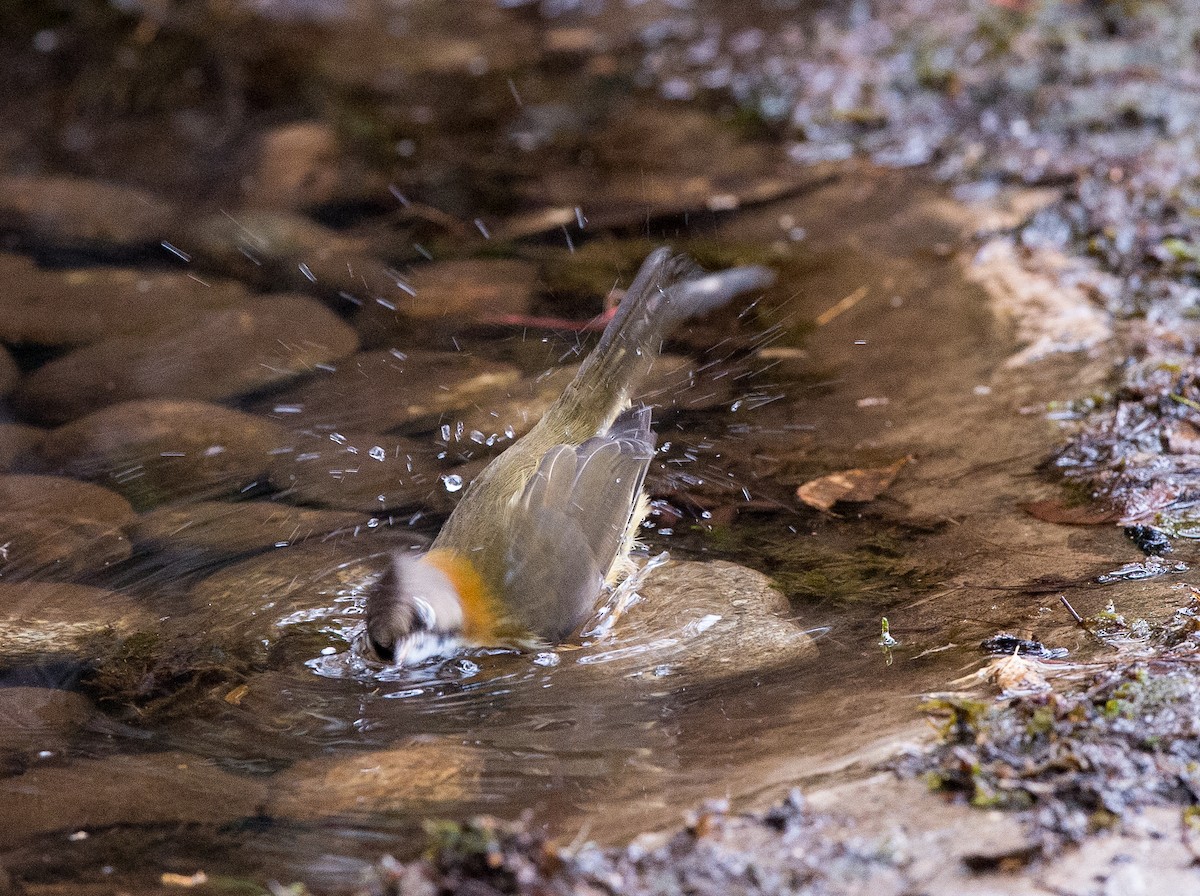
<point x="453" y="482"/>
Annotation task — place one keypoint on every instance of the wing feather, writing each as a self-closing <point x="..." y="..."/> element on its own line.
<point x="571" y="521"/>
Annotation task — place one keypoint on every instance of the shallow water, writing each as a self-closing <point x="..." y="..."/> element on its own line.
<point x="224" y="726"/>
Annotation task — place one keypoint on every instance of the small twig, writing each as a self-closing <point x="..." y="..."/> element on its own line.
<point x="841" y="306"/>
<point x="1079" y="620"/>
<point x="1070" y="609"/>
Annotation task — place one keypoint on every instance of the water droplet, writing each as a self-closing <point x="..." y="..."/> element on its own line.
<point x="547" y="658"/>
<point x="378" y="453"/>
<point x="453" y="482"/>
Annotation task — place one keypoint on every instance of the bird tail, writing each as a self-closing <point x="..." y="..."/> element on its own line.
<point x="666" y="291"/>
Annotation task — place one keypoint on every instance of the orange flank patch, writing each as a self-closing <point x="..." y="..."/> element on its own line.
<point x="481" y="609"/>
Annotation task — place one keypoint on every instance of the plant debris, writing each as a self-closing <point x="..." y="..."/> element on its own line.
<point x="1078" y="746"/>
<point x="789" y="848"/>
<point x="849" y="485"/>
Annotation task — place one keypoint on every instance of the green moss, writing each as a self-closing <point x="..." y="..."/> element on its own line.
<point x="1041" y="723"/>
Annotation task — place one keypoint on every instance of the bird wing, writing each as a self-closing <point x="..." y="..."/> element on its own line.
<point x="570" y="522"/>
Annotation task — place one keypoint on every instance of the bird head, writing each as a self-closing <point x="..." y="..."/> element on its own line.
<point x="414" y="612"/>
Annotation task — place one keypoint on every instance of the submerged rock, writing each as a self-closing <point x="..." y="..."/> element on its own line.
<point x="211" y="530"/>
<point x="75" y="212"/>
<point x="370" y="473"/>
<point x="40" y="719"/>
<point x="314" y="591"/>
<point x="457" y="293"/>
<point x="60" y="495"/>
<point x="141" y="789"/>
<point x="297" y="166"/>
<point x="58" y="546"/>
<point x="413" y="775"/>
<point x="494" y="422"/>
<point x="77" y="306"/>
<point x="383" y="390"/>
<point x="701" y="622"/>
<point x="51" y="619"/>
<point x="9" y="374"/>
<point x="220" y="355"/>
<point x="157" y="450"/>
<point x="278" y="249"/>
<point x="18" y="446"/>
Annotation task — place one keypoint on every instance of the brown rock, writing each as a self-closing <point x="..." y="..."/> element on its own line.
<point x="72" y="211"/>
<point x="57" y="546"/>
<point x="370" y="473"/>
<point x="39" y="619"/>
<point x="297" y="166"/>
<point x="37" y="719"/>
<point x="82" y="305"/>
<point x="61" y="496"/>
<point x="416" y="774"/>
<point x="456" y="293"/>
<point x="275" y="249"/>
<point x="313" y="590"/>
<point x="498" y="419"/>
<point x="18" y="446"/>
<point x="702" y="621"/>
<point x="155" y="451"/>
<point x="141" y="789"/>
<point x="9" y="374"/>
<point x="382" y="390"/>
<point x="220" y="355"/>
<point x="220" y="529"/>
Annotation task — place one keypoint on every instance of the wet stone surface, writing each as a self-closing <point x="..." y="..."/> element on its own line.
<point x="212" y="530"/>
<point x="454" y="292"/>
<point x="223" y="354"/>
<point x="280" y="250"/>
<point x="77" y="306"/>
<point x="68" y="212"/>
<point x="387" y="389"/>
<point x="312" y="593"/>
<point x="9" y="374"/>
<point x="701" y="622"/>
<point x="369" y="473"/>
<point x="99" y="793"/>
<point x="156" y="451"/>
<point x="391" y="780"/>
<point x="18" y="446"/>
<point x="58" y="546"/>
<point x="33" y="494"/>
<point x="46" y="619"/>
<point x="38" y="720"/>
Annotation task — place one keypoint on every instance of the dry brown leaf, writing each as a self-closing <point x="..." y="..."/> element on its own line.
<point x="849" y="485"/>
<point x="1016" y="675"/>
